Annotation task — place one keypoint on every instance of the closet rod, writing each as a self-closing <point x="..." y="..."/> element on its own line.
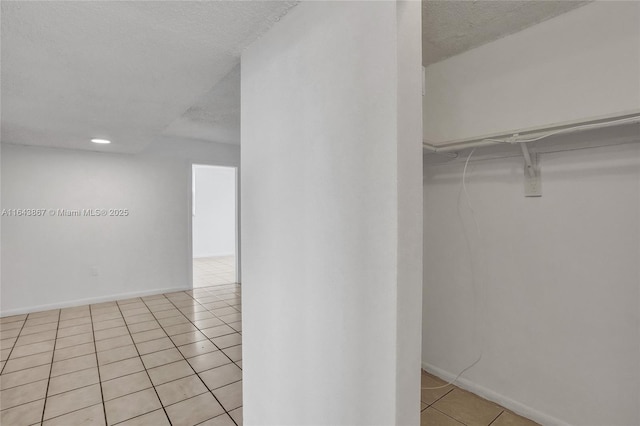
<point x="535" y="134"/>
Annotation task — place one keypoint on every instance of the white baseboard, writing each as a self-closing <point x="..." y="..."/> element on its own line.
<point x="515" y="406"/>
<point x="200" y="256"/>
<point x="80" y="302"/>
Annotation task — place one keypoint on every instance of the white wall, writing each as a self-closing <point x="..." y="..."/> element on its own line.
<point x="325" y="220"/>
<point x="579" y="65"/>
<point x="214" y="222"/>
<point x="562" y="280"/>
<point x="48" y="261"/>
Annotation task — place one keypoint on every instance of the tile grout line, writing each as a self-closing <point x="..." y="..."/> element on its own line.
<point x="210" y="339"/>
<point x="445" y="414"/>
<point x="95" y="347"/>
<point x="44" y="406"/>
<point x="190" y="366"/>
<point x="492" y="421"/>
<point x="182" y="355"/>
<point x="165" y="300"/>
<point x="14" y="345"/>
<point x="224" y="322"/>
<point x="73" y="411"/>
<point x="143" y="366"/>
<point x="38" y="380"/>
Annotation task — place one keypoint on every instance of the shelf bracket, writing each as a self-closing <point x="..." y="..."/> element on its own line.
<point x="532" y="180"/>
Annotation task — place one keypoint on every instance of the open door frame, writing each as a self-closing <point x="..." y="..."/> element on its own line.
<point x="190" y="191"/>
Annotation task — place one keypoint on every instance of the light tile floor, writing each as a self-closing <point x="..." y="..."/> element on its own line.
<point x="171" y="359"/>
<point x="452" y="406"/>
<point x="208" y="271"/>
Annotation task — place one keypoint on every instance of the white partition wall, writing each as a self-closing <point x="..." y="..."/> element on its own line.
<point x="331" y="154"/>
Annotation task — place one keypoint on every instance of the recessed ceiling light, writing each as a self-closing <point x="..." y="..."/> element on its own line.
<point x="103" y="141"/>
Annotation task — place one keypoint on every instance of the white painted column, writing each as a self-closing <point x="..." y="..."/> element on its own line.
<point x="332" y="216"/>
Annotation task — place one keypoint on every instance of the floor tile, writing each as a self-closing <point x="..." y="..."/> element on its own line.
<point x="34" y="348"/>
<point x="154" y="418"/>
<point x="169" y="313"/>
<point x="74" y="351"/>
<point x="117" y="354"/>
<point x="148" y="335"/>
<point x="23" y="377"/>
<point x="107" y="316"/>
<point x="113" y="343"/>
<point x="74" y="322"/>
<point x="237" y="326"/>
<point x="231" y="318"/>
<point x="167" y="322"/>
<point x="139" y="318"/>
<point x="163" y="357"/>
<point x="508" y="418"/>
<point x="22" y="394"/>
<point x="181" y="389"/>
<point x="208" y="361"/>
<point x="129" y="406"/>
<point x="93" y="415"/>
<point x="172" y="330"/>
<point x="221" y="376"/>
<point x="144" y="326"/>
<point x="15" y="364"/>
<point x="41" y="320"/>
<point x="8" y="343"/>
<point x="72" y="331"/>
<point x="208" y="323"/>
<point x="71" y="313"/>
<point x="234" y="352"/>
<point x="136" y="311"/>
<point x="186" y="338"/>
<point x="218" y="331"/>
<point x="196" y="316"/>
<point x="221" y="420"/>
<point x="230" y="396"/>
<point x="224" y="311"/>
<point x="120" y="368"/>
<point x="36" y="337"/>
<point x="194" y="410"/>
<point x="104" y="325"/>
<point x="66" y="342"/>
<point x="23" y="415"/>
<point x="467" y="408"/>
<point x="433" y="417"/>
<point x="73" y="364"/>
<point x="236" y="415"/>
<point x="13" y="318"/>
<point x="429" y="396"/>
<point x="111" y="333"/>
<point x="67" y="402"/>
<point x="38" y="328"/>
<point x="75" y="380"/>
<point x="198" y="348"/>
<point x="154" y="345"/>
<point x="124" y="385"/>
<point x="6" y="334"/>
<point x="169" y="372"/>
<point x="228" y="340"/>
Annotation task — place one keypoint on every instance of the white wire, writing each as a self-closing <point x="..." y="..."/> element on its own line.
<point x="475" y="292"/>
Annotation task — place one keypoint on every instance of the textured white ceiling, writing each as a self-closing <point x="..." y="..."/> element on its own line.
<point x="123" y="70"/>
<point x="131" y="71"/>
<point x="450" y="27"/>
<point x="215" y="116"/>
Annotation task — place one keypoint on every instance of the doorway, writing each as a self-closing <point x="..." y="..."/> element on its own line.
<point x="214" y="227"/>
